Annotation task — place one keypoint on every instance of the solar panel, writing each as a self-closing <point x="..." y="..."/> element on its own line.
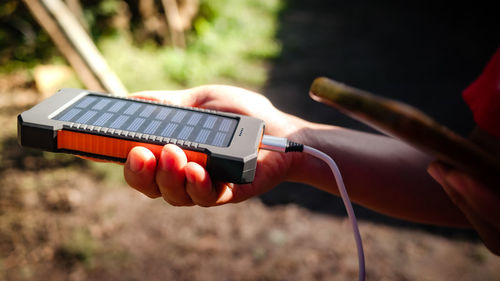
<point x="106" y="127"/>
<point x="151" y="119"/>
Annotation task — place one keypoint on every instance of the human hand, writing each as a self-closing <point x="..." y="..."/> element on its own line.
<point x="479" y="204"/>
<point x="182" y="183"/>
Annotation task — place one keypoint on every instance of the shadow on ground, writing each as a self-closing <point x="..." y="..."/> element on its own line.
<point x="13" y="156"/>
<point x="420" y="52"/>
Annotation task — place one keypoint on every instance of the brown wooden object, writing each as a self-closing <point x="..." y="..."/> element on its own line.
<point x="75" y="45"/>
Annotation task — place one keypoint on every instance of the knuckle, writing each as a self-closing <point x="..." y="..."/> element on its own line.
<point x="151" y="195"/>
<point x="176" y="203"/>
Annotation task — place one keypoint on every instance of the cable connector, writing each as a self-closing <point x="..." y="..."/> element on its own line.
<point x="284" y="145"/>
<point x="280" y="144"/>
<point x="294" y="146"/>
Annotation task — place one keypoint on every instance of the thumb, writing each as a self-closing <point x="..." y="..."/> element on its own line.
<point x="178" y="97"/>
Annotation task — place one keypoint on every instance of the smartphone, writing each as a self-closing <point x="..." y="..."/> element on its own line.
<point x="107" y="127"/>
<point x="410" y="125"/>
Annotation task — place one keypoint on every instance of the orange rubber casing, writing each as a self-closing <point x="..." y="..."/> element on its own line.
<point x="114" y="147"/>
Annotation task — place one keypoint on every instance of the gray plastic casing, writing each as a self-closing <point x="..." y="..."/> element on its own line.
<point x="235" y="163"/>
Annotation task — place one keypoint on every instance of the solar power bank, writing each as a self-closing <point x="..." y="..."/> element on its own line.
<point x="107" y="127"/>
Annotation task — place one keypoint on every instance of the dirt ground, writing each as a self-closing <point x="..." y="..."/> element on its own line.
<point x="63" y="218"/>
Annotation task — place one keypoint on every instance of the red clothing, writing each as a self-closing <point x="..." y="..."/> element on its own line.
<point x="483" y="97"/>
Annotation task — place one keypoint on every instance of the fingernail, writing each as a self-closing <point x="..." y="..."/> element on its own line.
<point x="135" y="164"/>
<point x="167" y="162"/>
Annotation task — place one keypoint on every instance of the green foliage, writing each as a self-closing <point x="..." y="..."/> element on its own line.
<point x="22" y="44"/>
<point x="98" y="15"/>
<point x="230" y="43"/>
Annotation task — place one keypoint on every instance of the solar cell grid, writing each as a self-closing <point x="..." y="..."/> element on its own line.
<point x="119" y="122"/>
<point x="152" y="127"/>
<point x="146" y="112"/>
<point x="103" y="119"/>
<point x="179" y="115"/>
<point x="117" y="106"/>
<point x="70" y="114"/>
<point x="86" y="102"/>
<point x="185" y="132"/>
<point x="132" y="108"/>
<point x="151" y="119"/>
<point x="86" y="117"/>
<point x="101" y="104"/>
<point x="163" y="113"/>
<point x="169" y="129"/>
<point x="195" y="118"/>
<point x="134" y="126"/>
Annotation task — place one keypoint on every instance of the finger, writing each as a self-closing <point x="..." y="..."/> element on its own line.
<point x="170" y="176"/>
<point x="479" y="198"/>
<point x="181" y="97"/>
<point x="437" y="171"/>
<point x="199" y="185"/>
<point x="229" y="193"/>
<point x="204" y="193"/>
<point x="488" y="232"/>
<point x="466" y="192"/>
<point x="139" y="171"/>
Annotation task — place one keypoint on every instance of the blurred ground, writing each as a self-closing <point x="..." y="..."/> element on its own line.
<point x="63" y="218"/>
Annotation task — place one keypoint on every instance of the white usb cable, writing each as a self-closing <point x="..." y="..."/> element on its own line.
<point x="284" y="145"/>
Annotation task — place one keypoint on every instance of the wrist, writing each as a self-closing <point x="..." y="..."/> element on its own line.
<point x="305" y="168"/>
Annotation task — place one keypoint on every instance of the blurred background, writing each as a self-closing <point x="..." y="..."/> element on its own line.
<point x="64" y="218"/>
